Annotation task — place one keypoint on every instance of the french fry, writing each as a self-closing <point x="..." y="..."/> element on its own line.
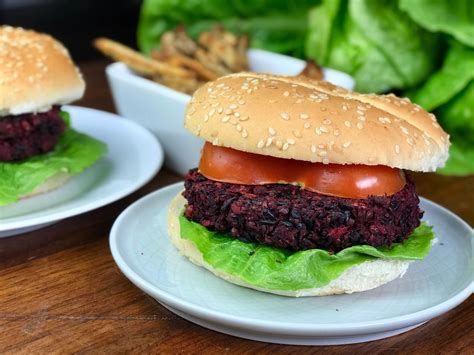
<point x="186" y="85"/>
<point x="312" y="70"/>
<point x="136" y="61"/>
<point x="181" y="63"/>
<point x="179" y="60"/>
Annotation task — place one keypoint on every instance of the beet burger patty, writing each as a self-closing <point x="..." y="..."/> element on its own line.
<point x="301" y="187"/>
<point x="26" y="135"/>
<point x="287" y="216"/>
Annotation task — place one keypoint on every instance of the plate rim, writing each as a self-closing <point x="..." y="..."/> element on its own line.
<point x="155" y="166"/>
<point x="289" y="328"/>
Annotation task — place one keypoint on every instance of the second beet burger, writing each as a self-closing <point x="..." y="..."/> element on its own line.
<point x="301" y="189"/>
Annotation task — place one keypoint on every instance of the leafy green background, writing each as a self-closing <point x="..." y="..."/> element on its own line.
<point x="423" y="49"/>
<point x="73" y="153"/>
<point x="280" y="269"/>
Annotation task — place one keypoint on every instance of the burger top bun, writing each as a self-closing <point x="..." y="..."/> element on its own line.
<point x="36" y="72"/>
<point x="303" y="119"/>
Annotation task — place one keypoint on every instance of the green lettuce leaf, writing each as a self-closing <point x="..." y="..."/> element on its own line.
<point x="275" y="25"/>
<point x="455" y="74"/>
<point x="372" y="40"/>
<point x="73" y="153"/>
<point x="454" y="17"/>
<point x="279" y="269"/>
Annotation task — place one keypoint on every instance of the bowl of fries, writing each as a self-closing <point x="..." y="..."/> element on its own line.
<point x="155" y="90"/>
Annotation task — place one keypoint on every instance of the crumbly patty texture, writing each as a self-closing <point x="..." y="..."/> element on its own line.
<point x="287" y="216"/>
<point x="27" y="135"/>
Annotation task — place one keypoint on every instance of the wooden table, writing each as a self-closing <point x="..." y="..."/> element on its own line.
<point x="60" y="290"/>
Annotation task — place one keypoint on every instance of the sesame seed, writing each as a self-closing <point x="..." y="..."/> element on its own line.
<point x="299" y="101"/>
<point x="228" y="112"/>
<point x="233" y="106"/>
<point x="360" y="125"/>
<point x="361" y="118"/>
<point x="272" y="101"/>
<point x="297" y="133"/>
<point x="321" y="146"/>
<point x="220" y="110"/>
<point x="239" y="128"/>
<point x="307" y="125"/>
<point x="313" y="148"/>
<point x="397" y="148"/>
<point x="236" y="114"/>
<point x="384" y="120"/>
<point x="327" y="121"/>
<point x="241" y="102"/>
<point x="225" y="119"/>
<point x="212" y="112"/>
<point x="347" y="144"/>
<point x="286" y="93"/>
<point x="359" y="112"/>
<point x="206" y="118"/>
<point x="244" y="118"/>
<point x="322" y="153"/>
<point x="279" y="144"/>
<point x="285" y="116"/>
<point x="325" y="161"/>
<point x="318" y="131"/>
<point x="290" y="141"/>
<point x="344" y="107"/>
<point x="404" y="129"/>
<point x="323" y="129"/>
<point x="347" y="123"/>
<point x="260" y="144"/>
<point x="272" y="131"/>
<point x="269" y="142"/>
<point x="285" y="146"/>
<point x="410" y="141"/>
<point x="304" y="116"/>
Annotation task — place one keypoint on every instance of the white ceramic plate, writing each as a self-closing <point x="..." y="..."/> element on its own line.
<point x="140" y="247"/>
<point x="134" y="157"/>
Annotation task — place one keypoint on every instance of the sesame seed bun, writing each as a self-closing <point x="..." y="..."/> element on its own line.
<point x="299" y="118"/>
<point x="358" y="278"/>
<point x="36" y="72"/>
<point x="53" y="183"/>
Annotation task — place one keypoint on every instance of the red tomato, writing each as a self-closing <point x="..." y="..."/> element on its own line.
<point x="349" y="181"/>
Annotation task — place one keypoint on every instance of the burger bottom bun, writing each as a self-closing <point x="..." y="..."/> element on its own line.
<point x="52" y="183"/>
<point x="362" y="277"/>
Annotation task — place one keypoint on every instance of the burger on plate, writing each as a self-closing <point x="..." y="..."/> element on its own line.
<point x="39" y="151"/>
<point x="302" y="188"/>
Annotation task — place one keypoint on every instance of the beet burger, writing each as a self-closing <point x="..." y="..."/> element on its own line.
<point x="38" y="149"/>
<point x="302" y="187"/>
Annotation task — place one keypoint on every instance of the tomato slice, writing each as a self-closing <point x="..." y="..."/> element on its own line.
<point x="349" y="181"/>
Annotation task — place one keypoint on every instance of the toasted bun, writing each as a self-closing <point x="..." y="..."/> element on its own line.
<point x="52" y="183"/>
<point x="299" y="118"/>
<point x="358" y="278"/>
<point x="36" y="72"/>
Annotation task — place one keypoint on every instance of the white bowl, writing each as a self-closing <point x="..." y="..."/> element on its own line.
<point x="161" y="109"/>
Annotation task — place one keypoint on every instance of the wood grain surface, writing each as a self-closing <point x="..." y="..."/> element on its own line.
<point x="61" y="292"/>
